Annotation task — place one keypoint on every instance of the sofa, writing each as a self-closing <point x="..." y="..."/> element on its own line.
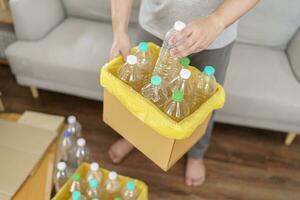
<point x="62" y="45"/>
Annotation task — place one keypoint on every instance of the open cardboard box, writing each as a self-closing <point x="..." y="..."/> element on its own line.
<point x="163" y="151"/>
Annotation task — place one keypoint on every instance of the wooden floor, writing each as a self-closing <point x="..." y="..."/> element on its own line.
<point x="242" y="163"/>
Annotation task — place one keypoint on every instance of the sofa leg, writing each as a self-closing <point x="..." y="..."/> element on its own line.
<point x="289" y="138"/>
<point x="34" y="92"/>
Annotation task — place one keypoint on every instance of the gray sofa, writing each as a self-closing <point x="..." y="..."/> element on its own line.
<point x="62" y="45"/>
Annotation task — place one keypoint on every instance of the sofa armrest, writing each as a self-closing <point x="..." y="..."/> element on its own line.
<point x="293" y="52"/>
<point x="33" y="19"/>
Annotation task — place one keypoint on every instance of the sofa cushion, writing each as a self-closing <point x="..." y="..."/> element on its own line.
<point x="96" y="9"/>
<point x="261" y="88"/>
<point x="270" y="23"/>
<point x="293" y="52"/>
<point x="72" y="54"/>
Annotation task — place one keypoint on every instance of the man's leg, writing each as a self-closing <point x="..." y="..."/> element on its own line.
<point x="219" y="58"/>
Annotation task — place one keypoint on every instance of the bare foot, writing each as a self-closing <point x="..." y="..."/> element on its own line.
<point x="195" y="172"/>
<point x="119" y="150"/>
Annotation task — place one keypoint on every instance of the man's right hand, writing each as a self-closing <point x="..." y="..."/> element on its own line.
<point x="120" y="46"/>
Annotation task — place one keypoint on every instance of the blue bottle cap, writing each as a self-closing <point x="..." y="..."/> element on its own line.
<point x="93" y="183"/>
<point x="209" y="70"/>
<point x="76" y="195"/>
<point x="156" y="80"/>
<point x="130" y="185"/>
<point x="67" y="133"/>
<point x="143" y="47"/>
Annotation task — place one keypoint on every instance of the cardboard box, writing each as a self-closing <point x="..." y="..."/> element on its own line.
<point x="163" y="151"/>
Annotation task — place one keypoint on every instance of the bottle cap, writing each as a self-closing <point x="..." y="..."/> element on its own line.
<point x="81" y="142"/>
<point x="117" y="198"/>
<point x="72" y="119"/>
<point x="95" y="198"/>
<point x="67" y="133"/>
<point x="112" y="175"/>
<point x="93" y="183"/>
<point x="185" y="73"/>
<point x="130" y="185"/>
<point x="184" y="61"/>
<point x="94" y="167"/>
<point x="76" y="195"/>
<point x="131" y="59"/>
<point x="177" y="95"/>
<point x="209" y="70"/>
<point x="156" y="80"/>
<point x="61" y="166"/>
<point x="143" y="47"/>
<point x="76" y="177"/>
<point x="179" y="25"/>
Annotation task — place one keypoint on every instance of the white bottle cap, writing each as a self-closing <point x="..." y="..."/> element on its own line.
<point x="185" y="73"/>
<point x="81" y="142"/>
<point x="61" y="166"/>
<point x="72" y="119"/>
<point x="131" y="59"/>
<point x="179" y="25"/>
<point x="94" y="167"/>
<point x="112" y="175"/>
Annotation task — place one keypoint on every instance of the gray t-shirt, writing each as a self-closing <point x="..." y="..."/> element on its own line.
<point x="158" y="16"/>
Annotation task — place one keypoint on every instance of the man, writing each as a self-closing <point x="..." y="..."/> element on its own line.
<point x="207" y="39"/>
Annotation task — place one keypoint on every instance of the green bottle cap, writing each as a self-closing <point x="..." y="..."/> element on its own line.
<point x="177" y="95"/>
<point x="76" y="177"/>
<point x="185" y="61"/>
<point x="143" y="47"/>
<point x="209" y="70"/>
<point x="130" y="185"/>
<point x="76" y="195"/>
<point x="95" y="198"/>
<point x="117" y="198"/>
<point x="93" y="183"/>
<point x="156" y="80"/>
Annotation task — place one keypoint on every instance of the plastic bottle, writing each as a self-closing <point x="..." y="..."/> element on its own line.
<point x="94" y="191"/>
<point x="112" y="185"/>
<point x="183" y="83"/>
<point x="76" y="195"/>
<point x="67" y="143"/>
<point x="132" y="74"/>
<point x="62" y="175"/>
<point x="76" y="184"/>
<point x="156" y="91"/>
<point x="129" y="191"/>
<point x="205" y="86"/>
<point x="94" y="173"/>
<point x="144" y="57"/>
<point x="167" y="66"/>
<point x="82" y="152"/>
<point x="74" y="126"/>
<point x="176" y="107"/>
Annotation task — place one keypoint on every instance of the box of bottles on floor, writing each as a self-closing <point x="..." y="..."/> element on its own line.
<point x="158" y="102"/>
<point x="75" y="179"/>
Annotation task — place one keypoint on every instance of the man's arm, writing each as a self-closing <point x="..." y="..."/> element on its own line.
<point x="199" y="34"/>
<point x="120" y="11"/>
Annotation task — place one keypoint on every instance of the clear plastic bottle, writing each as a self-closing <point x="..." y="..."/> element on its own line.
<point x="74" y="126"/>
<point x="205" y="86"/>
<point x="76" y="195"/>
<point x="176" y="107"/>
<point x="167" y="66"/>
<point x="76" y="184"/>
<point x="129" y="191"/>
<point x="62" y="175"/>
<point x="94" y="173"/>
<point x="94" y="191"/>
<point x="183" y="83"/>
<point x="132" y="74"/>
<point x="144" y="57"/>
<point x="82" y="152"/>
<point x="112" y="185"/>
<point x="67" y="143"/>
<point x="156" y="91"/>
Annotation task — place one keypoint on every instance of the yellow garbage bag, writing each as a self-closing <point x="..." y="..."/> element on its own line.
<point x="147" y="112"/>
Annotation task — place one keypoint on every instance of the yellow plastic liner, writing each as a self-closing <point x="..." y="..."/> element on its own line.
<point x="147" y="112"/>
<point x="65" y="194"/>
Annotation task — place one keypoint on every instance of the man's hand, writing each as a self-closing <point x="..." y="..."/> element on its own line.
<point x="120" y="46"/>
<point x="196" y="36"/>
